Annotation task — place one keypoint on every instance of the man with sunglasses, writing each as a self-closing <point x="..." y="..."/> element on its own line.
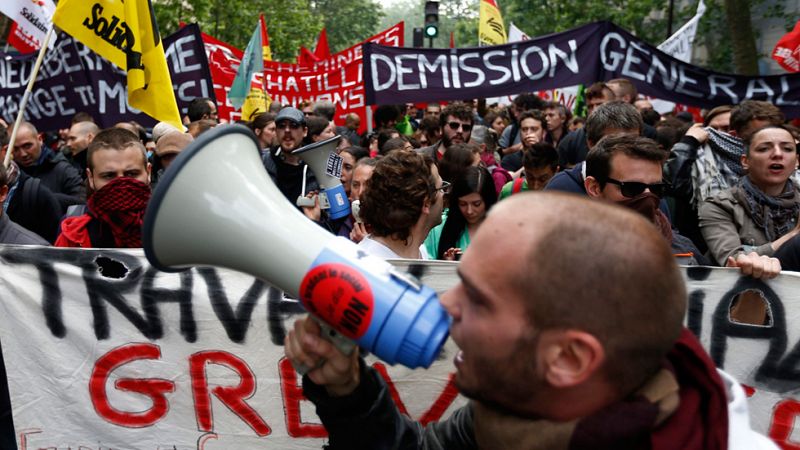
<point x="627" y="170"/>
<point x="288" y="171"/>
<point x="456" y="122"/>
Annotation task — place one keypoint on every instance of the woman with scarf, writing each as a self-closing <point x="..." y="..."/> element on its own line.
<point x="472" y="197"/>
<point x="760" y="213"/>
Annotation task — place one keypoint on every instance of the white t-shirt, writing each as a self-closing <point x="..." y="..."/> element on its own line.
<point x="379" y="250"/>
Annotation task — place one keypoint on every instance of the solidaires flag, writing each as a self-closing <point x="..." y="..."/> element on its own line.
<point x="125" y="33"/>
<point x="491" y="30"/>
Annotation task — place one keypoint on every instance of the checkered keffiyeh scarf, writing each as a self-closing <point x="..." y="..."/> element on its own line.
<point x="718" y="165"/>
<point x="121" y="204"/>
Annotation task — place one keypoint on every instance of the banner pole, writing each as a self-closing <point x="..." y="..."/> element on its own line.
<point x="26" y="96"/>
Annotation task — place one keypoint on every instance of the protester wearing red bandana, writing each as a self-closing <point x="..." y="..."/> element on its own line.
<point x="119" y="180"/>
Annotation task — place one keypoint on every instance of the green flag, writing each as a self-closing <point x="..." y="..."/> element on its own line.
<point x="252" y="62"/>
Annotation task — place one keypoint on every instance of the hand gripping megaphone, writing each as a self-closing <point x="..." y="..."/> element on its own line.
<point x="217" y="206"/>
<point x="321" y="157"/>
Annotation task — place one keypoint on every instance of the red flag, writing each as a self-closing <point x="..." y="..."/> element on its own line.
<point x="452" y="39"/>
<point x="322" y="51"/>
<point x="306" y="58"/>
<point x="787" y="50"/>
<point x="267" y="51"/>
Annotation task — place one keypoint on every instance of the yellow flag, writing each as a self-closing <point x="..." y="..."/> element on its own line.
<point x="125" y="33"/>
<point x="491" y="30"/>
<point x="256" y="102"/>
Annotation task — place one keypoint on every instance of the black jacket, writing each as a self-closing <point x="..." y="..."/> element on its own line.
<point x="11" y="233"/>
<point x="35" y="208"/>
<point x="368" y="419"/>
<point x="58" y="175"/>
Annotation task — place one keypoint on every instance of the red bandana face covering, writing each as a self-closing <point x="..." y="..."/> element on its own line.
<point x="121" y="204"/>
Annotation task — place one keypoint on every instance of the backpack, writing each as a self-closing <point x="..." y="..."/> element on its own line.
<point x="30" y="192"/>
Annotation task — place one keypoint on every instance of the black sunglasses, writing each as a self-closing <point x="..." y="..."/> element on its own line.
<point x="283" y="123"/>
<point x="464" y="126"/>
<point x="632" y="189"/>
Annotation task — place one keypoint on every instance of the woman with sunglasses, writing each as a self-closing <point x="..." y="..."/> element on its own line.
<point x="472" y="196"/>
<point x="760" y="214"/>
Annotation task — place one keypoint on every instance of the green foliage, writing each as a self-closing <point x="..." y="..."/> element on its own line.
<point x="348" y="22"/>
<point x="288" y="28"/>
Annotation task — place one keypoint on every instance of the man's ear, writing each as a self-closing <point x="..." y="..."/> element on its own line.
<point x="569" y="357"/>
<point x="148" y="168"/>
<point x="744" y="162"/>
<point x="426" y="205"/>
<point x="3" y="193"/>
<point x="593" y="187"/>
<point x="89" y="178"/>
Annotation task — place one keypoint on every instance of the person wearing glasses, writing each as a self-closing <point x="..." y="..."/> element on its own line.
<point x="759" y="214"/>
<point x="609" y="118"/>
<point x="456" y="122"/>
<point x="626" y="170"/>
<point x="289" y="173"/>
<point x="403" y="201"/>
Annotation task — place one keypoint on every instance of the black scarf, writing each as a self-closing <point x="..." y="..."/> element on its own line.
<point x="776" y="216"/>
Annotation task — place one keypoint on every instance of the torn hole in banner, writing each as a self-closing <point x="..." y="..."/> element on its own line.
<point x="110" y="268"/>
<point x="751" y="308"/>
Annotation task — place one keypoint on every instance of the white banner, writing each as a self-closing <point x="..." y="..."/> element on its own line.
<point x="33" y="17"/>
<point x="103" y="351"/>
<point x="679" y="45"/>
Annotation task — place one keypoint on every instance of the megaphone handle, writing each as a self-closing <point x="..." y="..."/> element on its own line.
<point x="345" y="345"/>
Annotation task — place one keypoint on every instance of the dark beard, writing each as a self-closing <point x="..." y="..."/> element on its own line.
<point x="511" y="383"/>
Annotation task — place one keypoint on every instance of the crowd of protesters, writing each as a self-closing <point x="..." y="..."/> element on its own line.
<point x="717" y="190"/>
<point x="720" y="192"/>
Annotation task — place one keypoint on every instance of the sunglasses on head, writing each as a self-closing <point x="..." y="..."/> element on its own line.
<point x="464" y="126"/>
<point x="631" y="189"/>
<point x="281" y="125"/>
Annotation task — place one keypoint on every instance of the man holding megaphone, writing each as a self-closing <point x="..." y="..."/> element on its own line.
<point x="568" y="316"/>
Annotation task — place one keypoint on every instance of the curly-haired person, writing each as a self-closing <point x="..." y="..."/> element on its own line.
<point x="403" y="201"/>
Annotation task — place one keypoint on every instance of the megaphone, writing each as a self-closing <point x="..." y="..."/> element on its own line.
<point x="321" y="157"/>
<point x="217" y="206"/>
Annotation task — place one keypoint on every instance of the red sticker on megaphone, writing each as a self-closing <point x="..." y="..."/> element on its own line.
<point x="341" y="296"/>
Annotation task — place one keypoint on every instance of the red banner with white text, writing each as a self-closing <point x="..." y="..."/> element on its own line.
<point x="338" y="78"/>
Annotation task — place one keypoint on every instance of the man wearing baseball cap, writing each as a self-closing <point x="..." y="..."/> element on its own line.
<point x="286" y="170"/>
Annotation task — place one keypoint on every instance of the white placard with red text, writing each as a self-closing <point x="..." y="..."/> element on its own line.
<point x="104" y="352"/>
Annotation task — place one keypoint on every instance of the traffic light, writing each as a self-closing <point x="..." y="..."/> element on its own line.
<point x="431" y="19"/>
<point x="419" y="37"/>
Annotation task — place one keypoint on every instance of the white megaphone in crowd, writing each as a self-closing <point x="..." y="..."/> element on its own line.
<point x="321" y="157"/>
<point x="217" y="206"/>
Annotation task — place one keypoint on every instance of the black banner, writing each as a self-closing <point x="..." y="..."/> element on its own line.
<point x="596" y="52"/>
<point x="73" y="78"/>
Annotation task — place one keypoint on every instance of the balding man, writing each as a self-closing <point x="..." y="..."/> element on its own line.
<point x="568" y="316"/>
<point x="79" y="137"/>
<point x="51" y="168"/>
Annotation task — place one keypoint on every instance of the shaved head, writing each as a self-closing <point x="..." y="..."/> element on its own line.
<point x="597" y="268"/>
